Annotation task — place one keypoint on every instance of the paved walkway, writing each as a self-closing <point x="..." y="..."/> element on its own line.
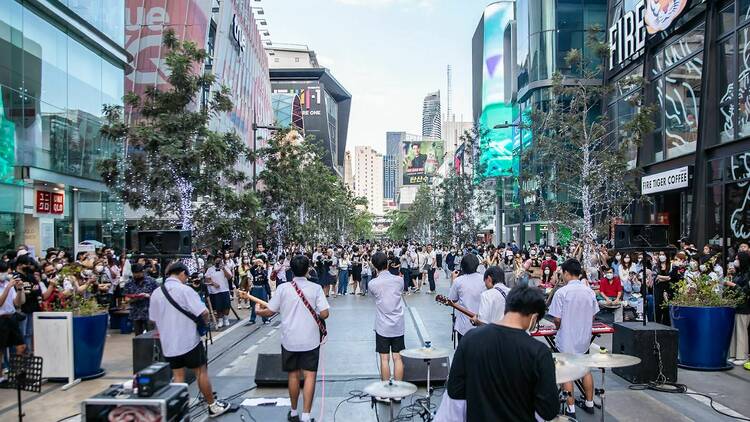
<point x="348" y="363"/>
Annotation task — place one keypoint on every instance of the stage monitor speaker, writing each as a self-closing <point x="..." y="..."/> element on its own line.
<point x="165" y="242"/>
<point x="415" y="371"/>
<point x="641" y="236"/>
<point x="147" y="350"/>
<point x="635" y="339"/>
<point x="268" y="371"/>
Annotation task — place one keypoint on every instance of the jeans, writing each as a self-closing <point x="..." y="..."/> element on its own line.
<point x="431" y="278"/>
<point x="343" y="281"/>
<point x="407" y="278"/>
<point x="27" y="330"/>
<point x="365" y="279"/>
<point x="260" y="293"/>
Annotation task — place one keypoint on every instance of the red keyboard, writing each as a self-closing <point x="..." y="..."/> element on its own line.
<point x="596" y="329"/>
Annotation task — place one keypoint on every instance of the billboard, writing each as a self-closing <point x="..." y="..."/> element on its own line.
<point x="496" y="147"/>
<point x="422" y="159"/>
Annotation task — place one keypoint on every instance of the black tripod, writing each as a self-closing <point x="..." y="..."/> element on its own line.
<point x="25" y="374"/>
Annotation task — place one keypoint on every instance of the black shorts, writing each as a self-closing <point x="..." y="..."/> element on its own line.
<point x="386" y="345"/>
<point x="10" y="331"/>
<point x="192" y="359"/>
<point x="221" y="301"/>
<point x="294" y="361"/>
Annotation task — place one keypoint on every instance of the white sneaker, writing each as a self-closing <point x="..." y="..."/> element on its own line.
<point x="220" y="323"/>
<point x="217" y="408"/>
<point x="226" y="321"/>
<point x="738" y="362"/>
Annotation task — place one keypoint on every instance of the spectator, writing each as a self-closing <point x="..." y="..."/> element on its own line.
<point x="138" y="292"/>
<point x="610" y="293"/>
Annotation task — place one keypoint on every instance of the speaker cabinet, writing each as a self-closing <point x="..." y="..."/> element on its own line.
<point x="415" y="371"/>
<point x="641" y="236"/>
<point x="147" y="350"/>
<point x="647" y="343"/>
<point x="165" y="242"/>
<point x="268" y="371"/>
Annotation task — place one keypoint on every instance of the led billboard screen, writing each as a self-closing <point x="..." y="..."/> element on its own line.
<point x="422" y="159"/>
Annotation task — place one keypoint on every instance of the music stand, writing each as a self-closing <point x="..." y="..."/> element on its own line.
<point x="25" y="374"/>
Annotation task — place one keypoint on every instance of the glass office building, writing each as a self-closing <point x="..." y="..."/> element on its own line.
<point x="696" y="63"/>
<point x="60" y="62"/>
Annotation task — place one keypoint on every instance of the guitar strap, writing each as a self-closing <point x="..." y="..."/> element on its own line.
<point x="321" y="324"/>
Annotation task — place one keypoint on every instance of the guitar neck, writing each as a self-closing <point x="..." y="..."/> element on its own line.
<point x="246" y="295"/>
<point x="461" y="309"/>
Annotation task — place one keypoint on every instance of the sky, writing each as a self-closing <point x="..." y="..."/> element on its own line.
<point x="387" y="53"/>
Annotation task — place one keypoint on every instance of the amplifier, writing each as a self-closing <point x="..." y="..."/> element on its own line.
<point x="649" y="342"/>
<point x="147" y="350"/>
<point x="169" y="404"/>
<point x="415" y="371"/>
<point x="153" y="378"/>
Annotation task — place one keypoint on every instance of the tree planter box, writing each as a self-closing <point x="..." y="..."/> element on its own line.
<point x="89" y="336"/>
<point x="704" y="336"/>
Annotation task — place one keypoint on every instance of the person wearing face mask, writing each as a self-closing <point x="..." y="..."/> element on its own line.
<point x="246" y="277"/>
<point x="738" y="349"/>
<point x="573" y="309"/>
<point x="138" y="292"/>
<point x="661" y="288"/>
<point x="501" y="372"/>
<point x="610" y="291"/>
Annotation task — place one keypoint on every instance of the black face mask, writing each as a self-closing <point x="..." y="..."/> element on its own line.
<point x="139" y="278"/>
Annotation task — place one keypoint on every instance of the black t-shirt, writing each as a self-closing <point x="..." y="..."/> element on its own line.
<point x="504" y="375"/>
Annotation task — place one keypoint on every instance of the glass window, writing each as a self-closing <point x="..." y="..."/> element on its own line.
<point x="714" y="171"/>
<point x="713" y="215"/>
<point x="566" y="41"/>
<point x="743" y="82"/>
<point x="84" y="79"/>
<point x="737" y="212"/>
<point x="682" y="103"/>
<point x="726" y="19"/>
<point x="569" y="14"/>
<point x="727" y="99"/>
<point x="738" y="167"/>
<point x="743" y="10"/>
<point x="45" y="60"/>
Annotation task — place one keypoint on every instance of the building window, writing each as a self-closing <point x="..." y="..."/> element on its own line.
<point x="734" y="72"/>
<point x="676" y="72"/>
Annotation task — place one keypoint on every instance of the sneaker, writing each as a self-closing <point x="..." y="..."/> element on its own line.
<point x="582" y="405"/>
<point x="219" y="323"/>
<point x="738" y="362"/>
<point x="252" y="322"/>
<point x="266" y="322"/>
<point x="747" y="365"/>
<point x="571" y="415"/>
<point x="218" y="408"/>
<point x="291" y="418"/>
<point x="226" y="321"/>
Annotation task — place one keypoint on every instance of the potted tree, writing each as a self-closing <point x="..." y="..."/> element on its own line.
<point x="703" y="313"/>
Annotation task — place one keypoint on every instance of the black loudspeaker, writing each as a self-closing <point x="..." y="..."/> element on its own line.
<point x="147" y="350"/>
<point x="415" y="371"/>
<point x="268" y="371"/>
<point x="641" y="236"/>
<point x="165" y="242"/>
<point x="647" y="343"/>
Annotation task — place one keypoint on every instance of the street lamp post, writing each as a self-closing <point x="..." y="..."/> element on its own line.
<point x="501" y="199"/>
<point x="256" y="126"/>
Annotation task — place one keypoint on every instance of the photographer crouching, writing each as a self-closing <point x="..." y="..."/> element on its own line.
<point x="178" y="312"/>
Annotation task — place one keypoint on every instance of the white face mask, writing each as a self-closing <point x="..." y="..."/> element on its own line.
<point x="99" y="268"/>
<point x="663" y="258"/>
<point x="693" y="265"/>
<point x="58" y="267"/>
<point x="703" y="268"/>
<point x="627" y="259"/>
<point x="609" y="276"/>
<point x="617" y="257"/>
<point x="546" y="271"/>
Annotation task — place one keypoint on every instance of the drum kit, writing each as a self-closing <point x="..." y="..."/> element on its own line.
<point x="570" y="367"/>
<point x="397" y="390"/>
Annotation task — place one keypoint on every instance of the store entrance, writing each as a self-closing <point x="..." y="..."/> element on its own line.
<point x="668" y="207"/>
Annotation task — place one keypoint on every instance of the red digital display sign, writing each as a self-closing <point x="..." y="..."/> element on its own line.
<point x="49" y="202"/>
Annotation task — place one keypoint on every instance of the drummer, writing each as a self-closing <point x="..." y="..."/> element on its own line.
<point x="501" y="371"/>
<point x="573" y="308"/>
<point x="389" y="317"/>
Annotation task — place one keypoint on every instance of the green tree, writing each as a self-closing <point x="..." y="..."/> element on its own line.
<point x="399" y="226"/>
<point x="576" y="173"/>
<point x="421" y="215"/>
<point x="177" y="169"/>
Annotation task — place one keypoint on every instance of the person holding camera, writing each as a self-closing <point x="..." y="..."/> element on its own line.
<point x="217" y="281"/>
<point x="178" y="333"/>
<point x="11" y="295"/>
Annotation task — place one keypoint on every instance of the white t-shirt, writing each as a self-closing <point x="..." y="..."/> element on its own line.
<point x="299" y="331"/>
<point x="467" y="289"/>
<point x="492" y="304"/>
<point x="218" y="277"/>
<point x="177" y="333"/>
<point x="575" y="304"/>
<point x="7" y="307"/>
<point x="389" y="306"/>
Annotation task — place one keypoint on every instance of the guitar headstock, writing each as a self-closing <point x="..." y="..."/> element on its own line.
<point x="443" y="300"/>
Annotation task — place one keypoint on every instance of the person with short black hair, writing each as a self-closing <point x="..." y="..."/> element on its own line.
<point x="12" y="295"/>
<point x="389" y="318"/>
<point x="138" y="290"/>
<point x="492" y="300"/>
<point x="300" y="335"/>
<point x="501" y="372"/>
<point x="178" y="334"/>
<point x="466" y="290"/>
<point x="573" y="308"/>
<point x="217" y="279"/>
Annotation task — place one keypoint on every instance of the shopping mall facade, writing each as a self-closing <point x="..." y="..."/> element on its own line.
<point x="695" y="56"/>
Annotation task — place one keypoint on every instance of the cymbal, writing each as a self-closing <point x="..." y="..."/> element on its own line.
<point x="390" y="389"/>
<point x="565" y="371"/>
<point x="426" y="353"/>
<point x="605" y="360"/>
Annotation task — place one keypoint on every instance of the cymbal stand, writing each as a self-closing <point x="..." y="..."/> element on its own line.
<point x="600" y="392"/>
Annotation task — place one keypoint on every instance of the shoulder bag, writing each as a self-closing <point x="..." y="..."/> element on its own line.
<point x="318" y="320"/>
<point x="200" y="324"/>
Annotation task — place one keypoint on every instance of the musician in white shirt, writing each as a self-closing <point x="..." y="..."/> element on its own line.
<point x="300" y="335"/>
<point x="466" y="291"/>
<point x="492" y="300"/>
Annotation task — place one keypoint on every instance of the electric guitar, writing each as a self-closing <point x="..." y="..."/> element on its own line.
<point x="244" y="294"/>
<point x="447" y="302"/>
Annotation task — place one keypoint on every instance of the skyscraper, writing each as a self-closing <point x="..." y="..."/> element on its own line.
<point x="368" y="180"/>
<point x="431" y="125"/>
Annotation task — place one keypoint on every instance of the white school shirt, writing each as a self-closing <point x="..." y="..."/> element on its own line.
<point x="575" y="304"/>
<point x="299" y="331"/>
<point x="7" y="307"/>
<point x="218" y="277"/>
<point x="177" y="333"/>
<point x="467" y="290"/>
<point x="389" y="306"/>
<point x="492" y="304"/>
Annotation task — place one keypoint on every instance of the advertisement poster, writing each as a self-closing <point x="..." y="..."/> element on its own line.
<point x="422" y="160"/>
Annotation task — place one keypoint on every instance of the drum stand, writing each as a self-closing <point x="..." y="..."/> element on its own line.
<point x="600" y="392"/>
<point x="427" y="410"/>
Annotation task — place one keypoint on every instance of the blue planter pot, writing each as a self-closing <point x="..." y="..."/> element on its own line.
<point x="89" y="336"/>
<point x="705" y="334"/>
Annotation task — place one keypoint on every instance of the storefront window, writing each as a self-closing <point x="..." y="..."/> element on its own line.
<point x="713" y="215"/>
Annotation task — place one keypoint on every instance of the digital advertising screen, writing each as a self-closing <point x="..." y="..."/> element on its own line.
<point x="422" y="159"/>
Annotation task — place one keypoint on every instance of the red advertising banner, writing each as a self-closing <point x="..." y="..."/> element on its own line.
<point x="49" y="202"/>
